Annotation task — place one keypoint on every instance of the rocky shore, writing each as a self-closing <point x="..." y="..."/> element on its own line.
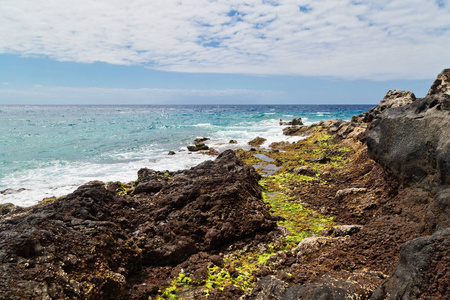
<point x="356" y="210"/>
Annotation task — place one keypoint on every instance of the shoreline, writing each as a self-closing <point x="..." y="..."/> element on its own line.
<point x="351" y="212"/>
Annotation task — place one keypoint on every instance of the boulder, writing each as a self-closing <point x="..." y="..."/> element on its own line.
<point x="304" y="170"/>
<point x="201" y="140"/>
<point x="344" y="230"/>
<point x="413" y="141"/>
<point x="198" y="147"/>
<point x="293" y="122"/>
<point x="342" y="193"/>
<point x="422" y="270"/>
<point x="256" y="142"/>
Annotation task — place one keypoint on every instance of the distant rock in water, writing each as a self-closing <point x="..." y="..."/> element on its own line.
<point x="395" y="98"/>
<point x="256" y="142"/>
<point x="294" y="122"/>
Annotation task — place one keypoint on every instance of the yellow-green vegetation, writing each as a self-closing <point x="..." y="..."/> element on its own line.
<point x="299" y="220"/>
<point x="176" y="284"/>
<point x="241" y="267"/>
<point x="122" y="188"/>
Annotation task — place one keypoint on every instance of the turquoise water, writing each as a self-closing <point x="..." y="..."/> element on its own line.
<point x="50" y="150"/>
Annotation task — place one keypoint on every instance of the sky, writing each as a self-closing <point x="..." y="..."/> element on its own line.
<point x="219" y="52"/>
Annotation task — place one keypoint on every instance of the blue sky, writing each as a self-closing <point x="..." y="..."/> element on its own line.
<point x="219" y="52"/>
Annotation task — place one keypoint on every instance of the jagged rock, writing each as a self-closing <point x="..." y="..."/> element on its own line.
<point x="326" y="288"/>
<point x="201" y="140"/>
<point x="256" y="142"/>
<point x="271" y="288"/>
<point x="413" y="141"/>
<point x="268" y="288"/>
<point x="232" y="142"/>
<point x="171" y="153"/>
<point x="293" y="122"/>
<point x="441" y="84"/>
<point x="304" y="170"/>
<point x="89" y="244"/>
<point x="342" y="193"/>
<point x="395" y="98"/>
<point x="198" y="147"/>
<point x="422" y="270"/>
<point x="343" y="230"/>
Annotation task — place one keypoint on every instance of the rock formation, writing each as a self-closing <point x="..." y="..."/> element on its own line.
<point x="395" y="98"/>
<point x="100" y="241"/>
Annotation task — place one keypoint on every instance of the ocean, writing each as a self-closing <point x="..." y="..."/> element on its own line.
<point x="49" y="151"/>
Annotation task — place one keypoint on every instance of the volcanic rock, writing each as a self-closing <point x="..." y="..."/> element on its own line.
<point x="413" y="141"/>
<point x="293" y="122"/>
<point x="422" y="270"/>
<point x="441" y="85"/>
<point x="96" y="243"/>
<point x="395" y="98"/>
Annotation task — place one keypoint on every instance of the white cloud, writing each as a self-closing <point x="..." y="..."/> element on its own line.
<point x="70" y="95"/>
<point x="383" y="39"/>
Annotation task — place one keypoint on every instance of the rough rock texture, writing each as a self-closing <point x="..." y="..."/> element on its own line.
<point x="423" y="270"/>
<point x="441" y="85"/>
<point x="293" y="122"/>
<point x="395" y="98"/>
<point x="98" y="243"/>
<point x="413" y="141"/>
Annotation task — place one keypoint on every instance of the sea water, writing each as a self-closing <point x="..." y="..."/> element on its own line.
<point x="51" y="150"/>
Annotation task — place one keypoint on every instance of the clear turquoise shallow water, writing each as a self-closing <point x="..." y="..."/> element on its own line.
<point x="50" y="150"/>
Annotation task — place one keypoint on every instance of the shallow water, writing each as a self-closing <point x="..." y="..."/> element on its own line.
<point x="50" y="150"/>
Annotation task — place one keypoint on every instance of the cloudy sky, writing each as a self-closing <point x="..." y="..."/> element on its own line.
<point x="216" y="51"/>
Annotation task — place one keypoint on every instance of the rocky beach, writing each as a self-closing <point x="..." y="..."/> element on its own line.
<point x="356" y="209"/>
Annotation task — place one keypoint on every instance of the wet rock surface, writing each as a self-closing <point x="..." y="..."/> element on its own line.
<point x="98" y="243"/>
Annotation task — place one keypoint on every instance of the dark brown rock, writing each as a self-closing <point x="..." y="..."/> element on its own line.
<point x="98" y="244"/>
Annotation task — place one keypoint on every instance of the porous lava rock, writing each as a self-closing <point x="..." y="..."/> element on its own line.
<point x="422" y="271"/>
<point x="392" y="99"/>
<point x="97" y="243"/>
<point x="441" y="85"/>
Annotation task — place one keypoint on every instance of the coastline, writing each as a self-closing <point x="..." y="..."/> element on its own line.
<point x="352" y="211"/>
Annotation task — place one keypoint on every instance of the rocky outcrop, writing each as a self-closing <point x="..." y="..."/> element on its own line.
<point x="100" y="241"/>
<point x="441" y="85"/>
<point x="395" y="98"/>
<point x="422" y="271"/>
<point x="413" y="141"/>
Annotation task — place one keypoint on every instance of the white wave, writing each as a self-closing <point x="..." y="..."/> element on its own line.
<point x="62" y="178"/>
